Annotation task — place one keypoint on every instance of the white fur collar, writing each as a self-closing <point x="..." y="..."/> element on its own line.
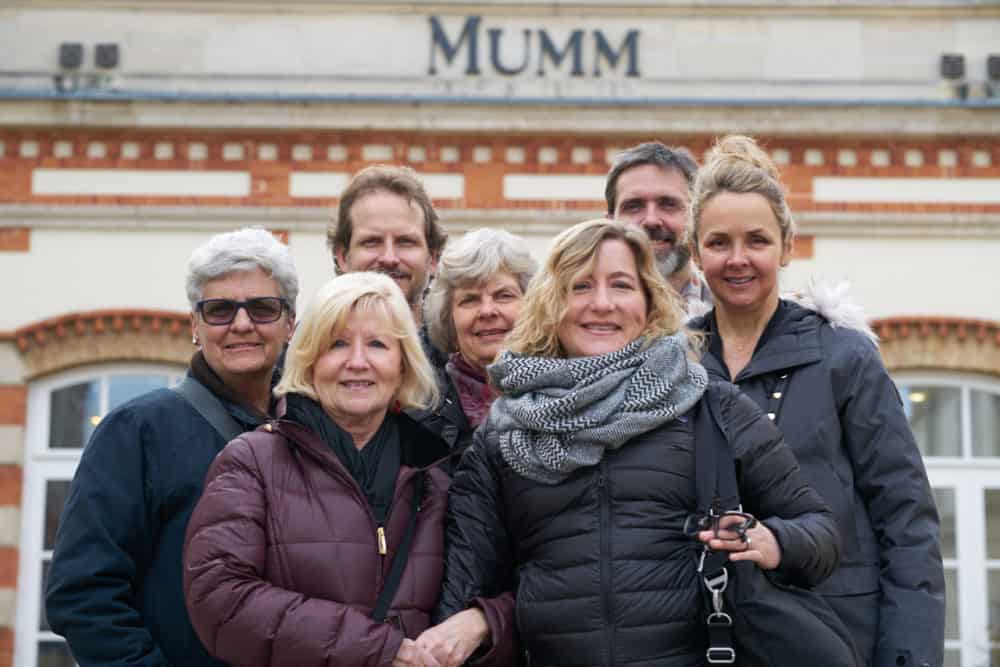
<point x="831" y="300"/>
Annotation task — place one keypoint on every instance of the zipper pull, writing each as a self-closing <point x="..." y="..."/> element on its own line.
<point x="380" y="537"/>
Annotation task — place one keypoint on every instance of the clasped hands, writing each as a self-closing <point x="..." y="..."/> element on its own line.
<point x="448" y="644"/>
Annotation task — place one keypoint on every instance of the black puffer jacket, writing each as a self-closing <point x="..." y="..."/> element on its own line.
<point x="841" y="414"/>
<point x="603" y="571"/>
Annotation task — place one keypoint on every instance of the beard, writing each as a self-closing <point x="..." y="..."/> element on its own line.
<point x="673" y="260"/>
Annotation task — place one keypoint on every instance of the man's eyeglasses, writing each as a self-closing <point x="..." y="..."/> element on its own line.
<point x="261" y="309"/>
<point x="730" y="525"/>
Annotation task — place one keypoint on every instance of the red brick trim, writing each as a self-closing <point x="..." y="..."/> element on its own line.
<point x="13" y="404"/>
<point x="97" y="322"/>
<point x="15" y="239"/>
<point x="961" y="329"/>
<point x="11" y="477"/>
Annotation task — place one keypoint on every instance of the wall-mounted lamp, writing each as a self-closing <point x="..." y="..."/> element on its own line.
<point x="953" y="70"/>
<point x="993" y="75"/>
<point x="70" y="55"/>
<point x="106" y="56"/>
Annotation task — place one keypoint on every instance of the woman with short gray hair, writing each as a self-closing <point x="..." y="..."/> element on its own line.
<point x="472" y="306"/>
<point x="114" y="588"/>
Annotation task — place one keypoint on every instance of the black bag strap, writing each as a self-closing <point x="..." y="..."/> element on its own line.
<point x="402" y="554"/>
<point x="210" y="407"/>
<point x="717" y="490"/>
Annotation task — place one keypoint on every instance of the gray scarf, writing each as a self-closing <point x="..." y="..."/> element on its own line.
<point x="557" y="415"/>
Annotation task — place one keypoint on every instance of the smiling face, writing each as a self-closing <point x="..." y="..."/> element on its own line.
<point x="242" y="351"/>
<point x="739" y="248"/>
<point x="656" y="199"/>
<point x="606" y="305"/>
<point x="483" y="315"/>
<point x="357" y="378"/>
<point x="387" y="236"/>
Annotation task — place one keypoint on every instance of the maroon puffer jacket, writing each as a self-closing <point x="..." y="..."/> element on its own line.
<point x="281" y="560"/>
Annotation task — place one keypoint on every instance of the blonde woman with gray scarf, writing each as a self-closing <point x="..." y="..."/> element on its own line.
<point x="569" y="509"/>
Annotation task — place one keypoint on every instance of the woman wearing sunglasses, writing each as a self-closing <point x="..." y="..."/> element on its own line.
<point x="114" y="588"/>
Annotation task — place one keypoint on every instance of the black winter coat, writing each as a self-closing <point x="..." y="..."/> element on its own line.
<point x="447" y="420"/>
<point x="114" y="588"/>
<point x="603" y="571"/>
<point x="841" y="414"/>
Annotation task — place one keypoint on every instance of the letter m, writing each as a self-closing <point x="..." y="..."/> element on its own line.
<point x="629" y="45"/>
<point x="439" y="40"/>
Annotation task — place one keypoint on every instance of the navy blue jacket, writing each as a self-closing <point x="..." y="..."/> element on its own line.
<point x="841" y="414"/>
<point x="115" y="589"/>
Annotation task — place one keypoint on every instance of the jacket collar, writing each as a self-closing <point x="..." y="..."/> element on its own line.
<point x="420" y="448"/>
<point x="792" y="340"/>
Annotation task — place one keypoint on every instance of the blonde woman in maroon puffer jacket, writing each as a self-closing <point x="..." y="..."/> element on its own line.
<point x="301" y="520"/>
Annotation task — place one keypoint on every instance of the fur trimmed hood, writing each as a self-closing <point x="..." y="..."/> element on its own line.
<point x="832" y="301"/>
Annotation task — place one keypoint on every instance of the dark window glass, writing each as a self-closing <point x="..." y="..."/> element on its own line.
<point x="951" y="593"/>
<point x="992" y="523"/>
<point x="74" y="413"/>
<point x="985" y="423"/>
<point x="935" y="417"/>
<point x="43" y="621"/>
<point x="56" y="492"/>
<point x="54" y="654"/>
<point x="945" y="501"/>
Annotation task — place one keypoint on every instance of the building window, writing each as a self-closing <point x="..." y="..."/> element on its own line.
<point x="63" y="412"/>
<point x="956" y="422"/>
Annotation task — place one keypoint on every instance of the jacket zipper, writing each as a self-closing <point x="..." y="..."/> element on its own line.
<point x="605" y="525"/>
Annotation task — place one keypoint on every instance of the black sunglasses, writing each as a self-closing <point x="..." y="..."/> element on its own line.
<point x="261" y="309"/>
<point x="728" y="525"/>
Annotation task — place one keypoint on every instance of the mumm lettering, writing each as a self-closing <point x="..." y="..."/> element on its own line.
<point x="547" y="53"/>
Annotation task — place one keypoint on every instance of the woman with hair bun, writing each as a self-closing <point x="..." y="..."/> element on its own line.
<point x="814" y="367"/>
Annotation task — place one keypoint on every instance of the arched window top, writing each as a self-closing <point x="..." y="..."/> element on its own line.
<point x="953" y="415"/>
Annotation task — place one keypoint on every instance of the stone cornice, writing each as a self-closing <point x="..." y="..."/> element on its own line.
<point x="892" y="8"/>
<point x="488" y="117"/>
<point x="534" y="222"/>
<point x="939" y="343"/>
<point x="100" y="336"/>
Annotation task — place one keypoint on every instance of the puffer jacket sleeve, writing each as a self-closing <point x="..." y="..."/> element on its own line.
<point x="890" y="476"/>
<point x="772" y="486"/>
<point x="478" y="560"/>
<point x="105" y="539"/>
<point x="240" y="617"/>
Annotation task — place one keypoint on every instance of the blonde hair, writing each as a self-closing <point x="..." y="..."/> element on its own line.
<point x="737" y="164"/>
<point x="375" y="295"/>
<point x="574" y="251"/>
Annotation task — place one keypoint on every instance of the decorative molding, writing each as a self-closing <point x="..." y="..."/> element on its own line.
<point x="527" y="221"/>
<point x="102" y="336"/>
<point x="939" y="343"/>
<point x="680" y="117"/>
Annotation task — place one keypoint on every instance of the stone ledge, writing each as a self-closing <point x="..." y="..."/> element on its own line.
<point x="102" y="336"/>
<point x="940" y="343"/>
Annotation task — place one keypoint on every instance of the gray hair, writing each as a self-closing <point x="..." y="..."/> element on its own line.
<point x="472" y="260"/>
<point x="654" y="153"/>
<point x="243" y="250"/>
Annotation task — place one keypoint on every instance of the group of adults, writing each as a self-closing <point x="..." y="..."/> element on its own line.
<point x="450" y="455"/>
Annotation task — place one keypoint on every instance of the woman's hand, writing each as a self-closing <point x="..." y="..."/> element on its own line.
<point x="758" y="543"/>
<point x="410" y="654"/>
<point x="454" y="640"/>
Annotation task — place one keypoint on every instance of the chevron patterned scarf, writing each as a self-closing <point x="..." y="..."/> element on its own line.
<point x="556" y="415"/>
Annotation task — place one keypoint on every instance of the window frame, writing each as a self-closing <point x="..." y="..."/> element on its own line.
<point x="968" y="477"/>
<point x="41" y="464"/>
